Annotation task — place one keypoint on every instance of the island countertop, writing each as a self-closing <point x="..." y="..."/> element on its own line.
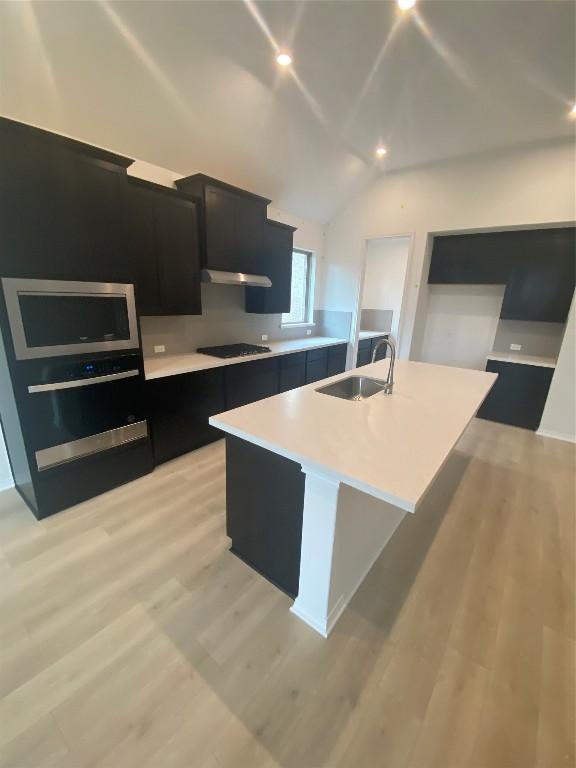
<point x="389" y="446"/>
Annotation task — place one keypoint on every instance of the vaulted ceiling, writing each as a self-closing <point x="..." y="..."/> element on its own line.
<point x="193" y="86"/>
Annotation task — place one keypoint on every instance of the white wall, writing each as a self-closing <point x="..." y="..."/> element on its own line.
<point x="461" y="324"/>
<point x="559" y="417"/>
<point x="386" y="264"/>
<point x="505" y="189"/>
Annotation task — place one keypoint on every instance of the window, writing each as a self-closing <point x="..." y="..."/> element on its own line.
<point x="300" y="303"/>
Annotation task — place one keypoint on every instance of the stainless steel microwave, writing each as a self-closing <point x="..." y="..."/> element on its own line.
<point x="51" y="318"/>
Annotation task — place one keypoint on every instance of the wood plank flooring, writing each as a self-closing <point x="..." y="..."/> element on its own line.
<point x="130" y="636"/>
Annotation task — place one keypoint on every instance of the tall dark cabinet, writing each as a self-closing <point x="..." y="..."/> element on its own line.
<point x="163" y="248"/>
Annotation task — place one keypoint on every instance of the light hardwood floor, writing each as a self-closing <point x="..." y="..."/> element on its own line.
<point x="132" y="637"/>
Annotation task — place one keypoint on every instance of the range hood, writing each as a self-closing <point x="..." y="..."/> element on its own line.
<point x="234" y="278"/>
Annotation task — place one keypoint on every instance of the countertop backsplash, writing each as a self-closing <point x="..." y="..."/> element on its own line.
<point x="224" y="321"/>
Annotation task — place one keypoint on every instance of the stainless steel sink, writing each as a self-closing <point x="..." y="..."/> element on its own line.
<point x="354" y="388"/>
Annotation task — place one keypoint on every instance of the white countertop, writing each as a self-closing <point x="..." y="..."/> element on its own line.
<point x="372" y="334"/>
<point x="189" y="362"/>
<point x="518" y="357"/>
<point x="389" y="446"/>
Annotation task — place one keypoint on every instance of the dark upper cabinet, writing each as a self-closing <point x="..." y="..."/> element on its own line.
<point x="179" y="408"/>
<point x="163" y="247"/>
<point x="518" y="395"/>
<point x="233" y="224"/>
<point x="276" y="263"/>
<point x="481" y="259"/>
<point x="541" y="282"/>
<point x="251" y="381"/>
<point x="61" y="207"/>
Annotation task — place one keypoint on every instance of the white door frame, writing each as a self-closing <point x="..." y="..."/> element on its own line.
<point x="411" y="236"/>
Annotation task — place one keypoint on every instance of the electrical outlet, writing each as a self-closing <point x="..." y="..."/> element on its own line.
<point x="158" y="348"/>
<point x="308" y="332"/>
<point x="515" y="347"/>
<point x="264" y="337"/>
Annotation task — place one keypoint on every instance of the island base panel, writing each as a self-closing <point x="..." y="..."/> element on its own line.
<point x="264" y="505"/>
<point x="344" y="532"/>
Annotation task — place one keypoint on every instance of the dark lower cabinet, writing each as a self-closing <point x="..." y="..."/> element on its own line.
<point x="519" y="394"/>
<point x="382" y="351"/>
<point x="265" y="525"/>
<point x="179" y="408"/>
<point x="364" y="355"/>
<point x="292" y="371"/>
<point x="337" y="359"/>
<point x="316" y="365"/>
<point x="248" y="382"/>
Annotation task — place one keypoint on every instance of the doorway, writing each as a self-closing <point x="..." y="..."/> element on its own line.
<point x="382" y="292"/>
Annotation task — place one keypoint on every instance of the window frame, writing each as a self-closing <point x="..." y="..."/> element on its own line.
<point x="309" y="302"/>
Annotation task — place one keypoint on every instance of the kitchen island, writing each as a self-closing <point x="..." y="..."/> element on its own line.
<point x="317" y="485"/>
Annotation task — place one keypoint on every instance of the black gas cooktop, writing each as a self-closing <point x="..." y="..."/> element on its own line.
<point x="234" y="350"/>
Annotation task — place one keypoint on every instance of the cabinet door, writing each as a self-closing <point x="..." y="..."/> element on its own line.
<point x="60" y="213"/>
<point x="142" y="249"/>
<point x="248" y="382"/>
<point x="276" y="263"/>
<point x="220" y="230"/>
<point x="337" y="359"/>
<point x="541" y="283"/>
<point x="316" y="365"/>
<point x="519" y="394"/>
<point x="178" y="255"/>
<point x="249" y="222"/>
<point x="292" y="371"/>
<point x="364" y="355"/>
<point x="481" y="259"/>
<point x="179" y="408"/>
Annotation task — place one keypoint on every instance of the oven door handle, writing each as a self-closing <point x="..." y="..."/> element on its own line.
<point x="55" y="385"/>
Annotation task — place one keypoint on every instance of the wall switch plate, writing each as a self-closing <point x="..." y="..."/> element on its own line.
<point x="159" y="348"/>
<point x="264" y="337"/>
<point x="516" y="347"/>
<point x="308" y="332"/>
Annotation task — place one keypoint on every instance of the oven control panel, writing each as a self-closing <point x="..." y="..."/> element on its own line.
<point x="89" y="368"/>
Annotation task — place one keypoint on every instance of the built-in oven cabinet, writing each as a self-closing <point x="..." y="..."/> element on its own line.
<point x="61" y="208"/>
<point x="83" y="426"/>
<point x="162" y="231"/>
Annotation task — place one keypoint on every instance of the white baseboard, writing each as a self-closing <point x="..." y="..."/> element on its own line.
<point x="556" y="435"/>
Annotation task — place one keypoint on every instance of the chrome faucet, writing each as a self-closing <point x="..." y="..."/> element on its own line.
<point x="389" y="386"/>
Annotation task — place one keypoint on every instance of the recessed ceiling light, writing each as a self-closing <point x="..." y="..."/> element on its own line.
<point x="284" y="59"/>
<point x="572" y="112"/>
<point x="381" y="151"/>
<point x="405" y="5"/>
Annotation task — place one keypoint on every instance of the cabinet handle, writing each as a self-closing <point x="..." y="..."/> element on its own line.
<point x="81" y="382"/>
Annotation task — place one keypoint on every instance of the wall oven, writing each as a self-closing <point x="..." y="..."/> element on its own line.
<point x="52" y="318"/>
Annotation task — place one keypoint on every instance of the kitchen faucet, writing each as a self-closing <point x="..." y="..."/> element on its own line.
<point x="390" y="378"/>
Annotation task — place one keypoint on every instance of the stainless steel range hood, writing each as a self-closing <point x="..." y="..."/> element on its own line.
<point x="234" y="278"/>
